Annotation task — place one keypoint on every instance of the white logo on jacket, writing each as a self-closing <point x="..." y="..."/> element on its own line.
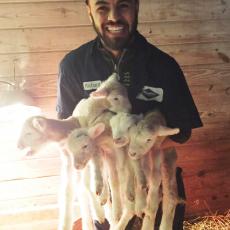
<point x="149" y="93"/>
<point x="90" y="85"/>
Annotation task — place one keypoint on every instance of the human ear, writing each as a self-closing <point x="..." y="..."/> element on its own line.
<point x="137" y="6"/>
<point x="89" y="12"/>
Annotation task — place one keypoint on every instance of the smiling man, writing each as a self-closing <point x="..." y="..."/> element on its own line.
<point x="153" y="79"/>
<point x="115" y="22"/>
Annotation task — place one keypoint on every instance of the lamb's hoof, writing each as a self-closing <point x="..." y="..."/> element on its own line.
<point x="144" y="186"/>
<point x="103" y="202"/>
<point x="131" y="197"/>
<point x="101" y="220"/>
<point x="116" y="217"/>
<point x="139" y="214"/>
<point x="99" y="190"/>
<point x="98" y="193"/>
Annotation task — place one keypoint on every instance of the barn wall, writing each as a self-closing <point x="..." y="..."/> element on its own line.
<point x="36" y="34"/>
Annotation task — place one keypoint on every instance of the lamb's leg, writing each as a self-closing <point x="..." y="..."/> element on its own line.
<point x="140" y="192"/>
<point x="66" y="196"/>
<point x="126" y="178"/>
<point x="97" y="209"/>
<point x="125" y="174"/>
<point x="140" y="201"/>
<point x="170" y="193"/>
<point x="154" y="194"/>
<point x="139" y="174"/>
<point x="105" y="192"/>
<point x="115" y="188"/>
<point x="130" y="182"/>
<point x="87" y="221"/>
<point x="97" y="171"/>
<point x="127" y="215"/>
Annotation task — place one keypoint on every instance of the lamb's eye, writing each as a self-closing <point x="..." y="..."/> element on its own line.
<point x="28" y="134"/>
<point x="148" y="140"/>
<point x="84" y="146"/>
<point x="115" y="98"/>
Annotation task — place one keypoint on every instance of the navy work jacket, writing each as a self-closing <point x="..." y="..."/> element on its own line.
<point x="153" y="79"/>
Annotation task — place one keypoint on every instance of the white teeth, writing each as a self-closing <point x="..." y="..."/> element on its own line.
<point x="115" y="29"/>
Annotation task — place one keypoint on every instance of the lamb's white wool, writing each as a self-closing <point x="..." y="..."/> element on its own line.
<point x="82" y="144"/>
<point x="37" y="131"/>
<point x="115" y="93"/>
<point x="66" y="196"/>
<point x="152" y="169"/>
<point x="96" y="208"/>
<point x="106" y="145"/>
<point x="127" y="189"/>
<point x="120" y="124"/>
<point x="169" y="186"/>
<point x="148" y="132"/>
<point x="89" y="110"/>
<point x="78" y="183"/>
<point x="96" y="144"/>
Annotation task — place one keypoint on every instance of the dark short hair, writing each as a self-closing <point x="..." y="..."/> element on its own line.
<point x="87" y="1"/>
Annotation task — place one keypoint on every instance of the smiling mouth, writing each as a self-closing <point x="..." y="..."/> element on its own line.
<point x="115" y="29"/>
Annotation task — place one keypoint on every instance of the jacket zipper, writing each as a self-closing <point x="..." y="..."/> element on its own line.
<point x="117" y="66"/>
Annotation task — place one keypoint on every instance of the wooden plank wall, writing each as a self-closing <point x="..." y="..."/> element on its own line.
<point x="36" y="34"/>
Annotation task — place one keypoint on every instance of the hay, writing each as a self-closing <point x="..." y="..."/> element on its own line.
<point x="215" y="222"/>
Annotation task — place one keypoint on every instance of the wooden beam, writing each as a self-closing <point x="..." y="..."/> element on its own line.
<point x="160" y="33"/>
<point x="72" y="13"/>
<point x="206" y="183"/>
<point x="29" y="64"/>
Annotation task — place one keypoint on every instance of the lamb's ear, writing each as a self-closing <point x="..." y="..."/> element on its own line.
<point x="39" y="123"/>
<point x="96" y="130"/>
<point x="166" y="131"/>
<point x="138" y="117"/>
<point x="113" y="77"/>
<point x="99" y="93"/>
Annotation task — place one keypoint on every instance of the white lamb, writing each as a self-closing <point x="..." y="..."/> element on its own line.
<point x="85" y="151"/>
<point x="89" y="112"/>
<point x="110" y="96"/>
<point x="115" y="93"/>
<point x="120" y="125"/>
<point x="77" y="181"/>
<point x="82" y="143"/>
<point x="38" y="131"/>
<point x="146" y="135"/>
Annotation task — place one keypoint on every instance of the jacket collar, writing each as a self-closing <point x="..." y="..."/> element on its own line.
<point x="137" y="44"/>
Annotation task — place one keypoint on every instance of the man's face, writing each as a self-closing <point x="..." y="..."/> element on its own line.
<point x="114" y="21"/>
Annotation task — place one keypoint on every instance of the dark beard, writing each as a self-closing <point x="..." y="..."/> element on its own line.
<point x="116" y="43"/>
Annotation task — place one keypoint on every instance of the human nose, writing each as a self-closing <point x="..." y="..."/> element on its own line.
<point x="113" y="15"/>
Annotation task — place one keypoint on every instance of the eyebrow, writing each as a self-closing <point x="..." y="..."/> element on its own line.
<point x="106" y="2"/>
<point x="101" y="2"/>
<point x="124" y="1"/>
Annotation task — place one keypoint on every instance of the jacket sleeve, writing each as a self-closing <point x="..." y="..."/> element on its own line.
<point x="69" y="89"/>
<point x="178" y="105"/>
